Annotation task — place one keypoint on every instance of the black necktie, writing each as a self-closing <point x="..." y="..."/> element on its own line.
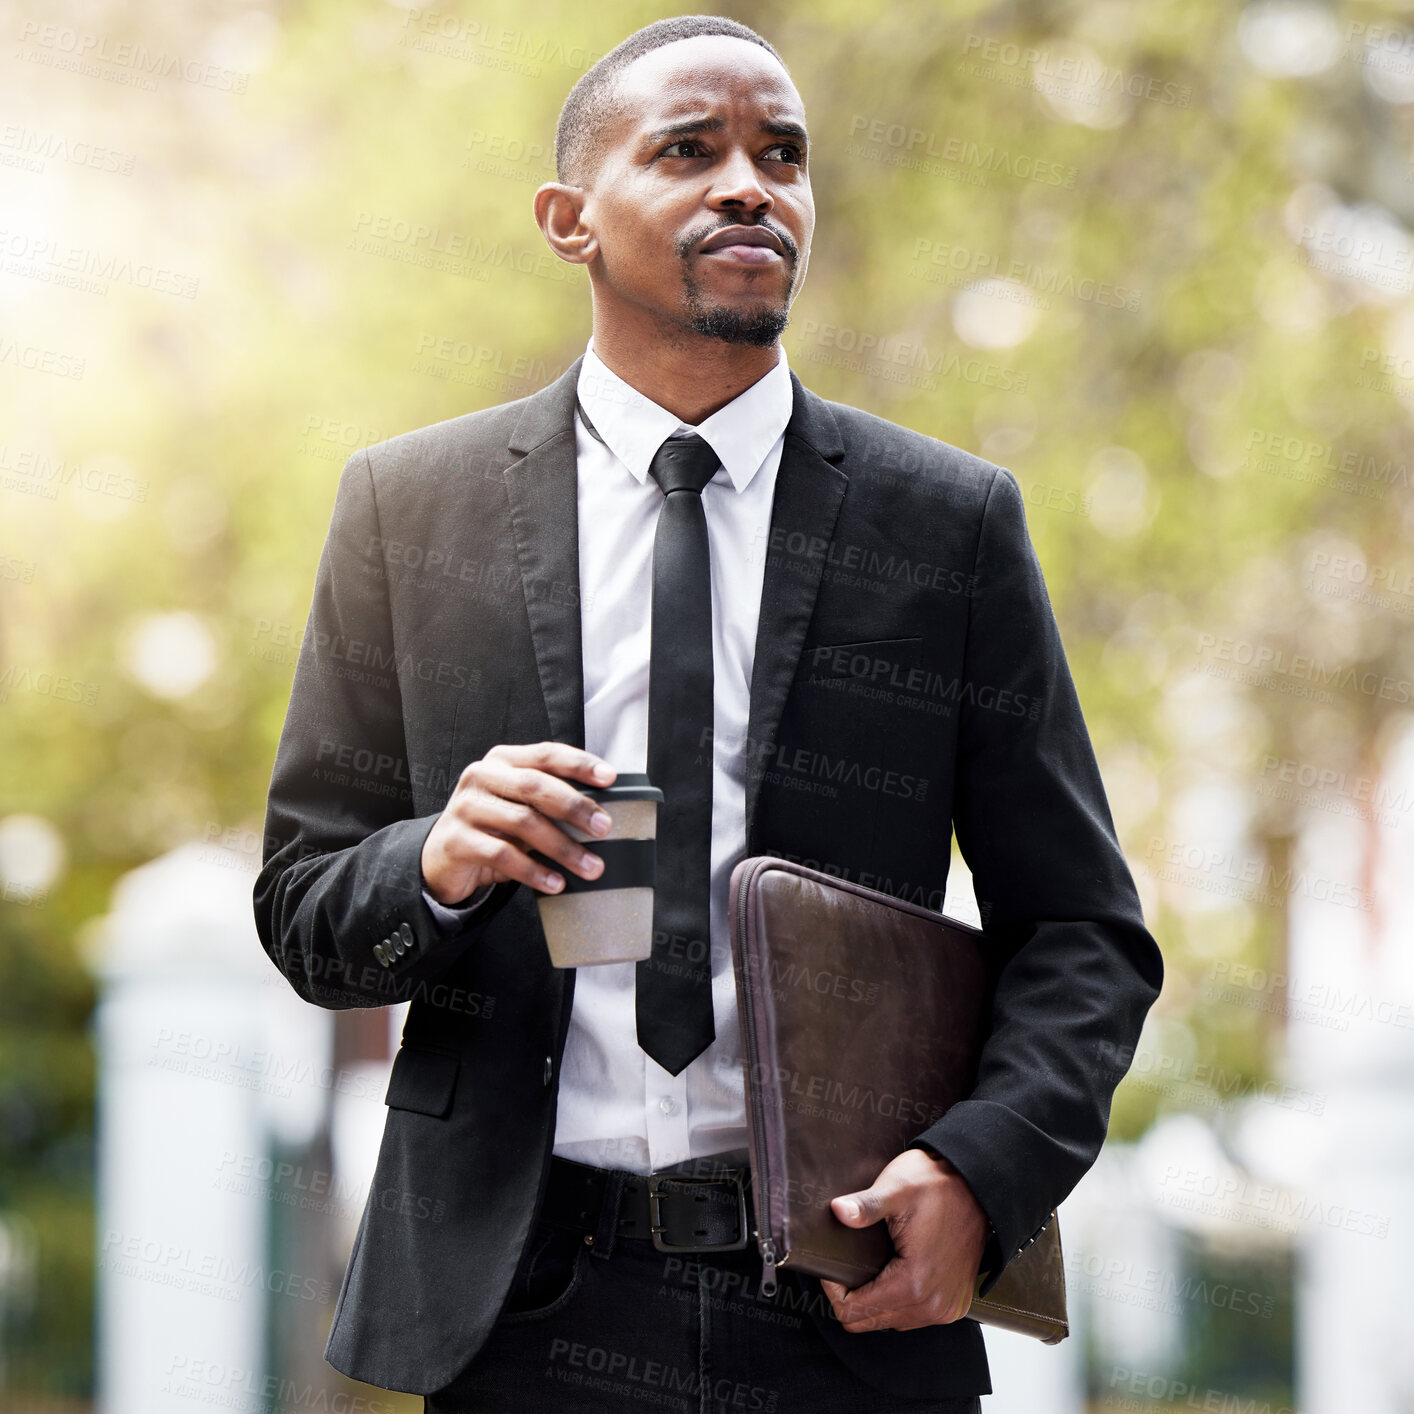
<point x="673" y="1000"/>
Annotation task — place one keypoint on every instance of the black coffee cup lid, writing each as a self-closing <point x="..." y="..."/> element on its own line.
<point x="628" y="785"/>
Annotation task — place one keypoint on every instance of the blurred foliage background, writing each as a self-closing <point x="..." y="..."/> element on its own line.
<point x="1152" y="255"/>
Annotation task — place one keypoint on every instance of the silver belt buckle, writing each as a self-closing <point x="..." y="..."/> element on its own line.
<point x="655" y="1219"/>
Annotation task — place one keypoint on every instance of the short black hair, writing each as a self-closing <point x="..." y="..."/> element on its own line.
<point x="592" y="103"/>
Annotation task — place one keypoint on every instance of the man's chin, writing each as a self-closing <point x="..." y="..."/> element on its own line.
<point x="761" y="327"/>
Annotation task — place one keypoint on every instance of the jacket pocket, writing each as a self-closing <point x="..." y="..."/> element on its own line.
<point x="868" y="658"/>
<point x="423" y="1080"/>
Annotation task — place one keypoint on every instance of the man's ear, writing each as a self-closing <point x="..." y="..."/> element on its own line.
<point x="559" y="212"/>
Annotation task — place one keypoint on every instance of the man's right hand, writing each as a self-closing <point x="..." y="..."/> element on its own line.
<point x="505" y="805"/>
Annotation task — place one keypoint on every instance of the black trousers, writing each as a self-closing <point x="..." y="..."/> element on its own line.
<point x="620" y="1325"/>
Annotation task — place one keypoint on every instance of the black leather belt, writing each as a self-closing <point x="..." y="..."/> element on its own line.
<point x="678" y="1212"/>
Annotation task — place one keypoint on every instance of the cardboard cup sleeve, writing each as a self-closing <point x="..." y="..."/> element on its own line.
<point x="608" y="919"/>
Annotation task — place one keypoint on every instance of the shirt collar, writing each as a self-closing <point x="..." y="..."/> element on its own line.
<point x="634" y="426"/>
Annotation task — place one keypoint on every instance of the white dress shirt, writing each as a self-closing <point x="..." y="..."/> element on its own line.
<point x="618" y="1108"/>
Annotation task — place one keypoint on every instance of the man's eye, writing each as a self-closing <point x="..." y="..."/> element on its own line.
<point x="790" y="151"/>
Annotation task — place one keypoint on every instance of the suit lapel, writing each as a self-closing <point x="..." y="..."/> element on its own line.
<point x="809" y="489"/>
<point x="542" y="486"/>
<point x="543" y="491"/>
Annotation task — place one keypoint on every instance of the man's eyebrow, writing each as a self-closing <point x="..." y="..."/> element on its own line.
<point x="690" y="127"/>
<point x="783" y="127"/>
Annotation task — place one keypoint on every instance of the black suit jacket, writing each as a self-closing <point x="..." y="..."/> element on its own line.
<point x="908" y="680"/>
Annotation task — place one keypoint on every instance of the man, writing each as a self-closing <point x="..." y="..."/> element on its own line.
<point x="676" y="558"/>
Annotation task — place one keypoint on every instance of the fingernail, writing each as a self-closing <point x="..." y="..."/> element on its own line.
<point x="599" y="822"/>
<point x="851" y="1208"/>
<point x="603" y="773"/>
<point x="591" y="862"/>
<point x="553" y="884"/>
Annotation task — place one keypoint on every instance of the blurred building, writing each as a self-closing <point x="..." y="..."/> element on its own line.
<point x="237" y="1131"/>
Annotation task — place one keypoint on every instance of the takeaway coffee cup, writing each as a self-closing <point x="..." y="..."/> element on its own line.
<point x="608" y="919"/>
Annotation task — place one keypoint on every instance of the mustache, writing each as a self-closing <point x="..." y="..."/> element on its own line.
<point x="695" y="238"/>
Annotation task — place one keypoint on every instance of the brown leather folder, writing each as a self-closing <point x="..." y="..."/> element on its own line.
<point x="862" y="1020"/>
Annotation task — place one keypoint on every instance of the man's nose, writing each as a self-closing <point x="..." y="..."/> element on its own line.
<point x="739" y="184"/>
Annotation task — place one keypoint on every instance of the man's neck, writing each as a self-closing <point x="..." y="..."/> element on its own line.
<point x="692" y="377"/>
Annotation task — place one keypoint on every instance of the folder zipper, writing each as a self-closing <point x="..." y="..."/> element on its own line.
<point x="768" y="1267"/>
<point x="756" y="1137"/>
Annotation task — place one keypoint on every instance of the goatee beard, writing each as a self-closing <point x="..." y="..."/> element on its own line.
<point x="761" y="327"/>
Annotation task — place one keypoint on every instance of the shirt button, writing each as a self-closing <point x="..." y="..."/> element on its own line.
<point x="667" y="1106"/>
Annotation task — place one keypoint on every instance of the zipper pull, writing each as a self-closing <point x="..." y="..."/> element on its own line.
<point x="768" y="1268"/>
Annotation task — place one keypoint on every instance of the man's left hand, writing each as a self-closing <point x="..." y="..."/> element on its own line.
<point x="939" y="1232"/>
